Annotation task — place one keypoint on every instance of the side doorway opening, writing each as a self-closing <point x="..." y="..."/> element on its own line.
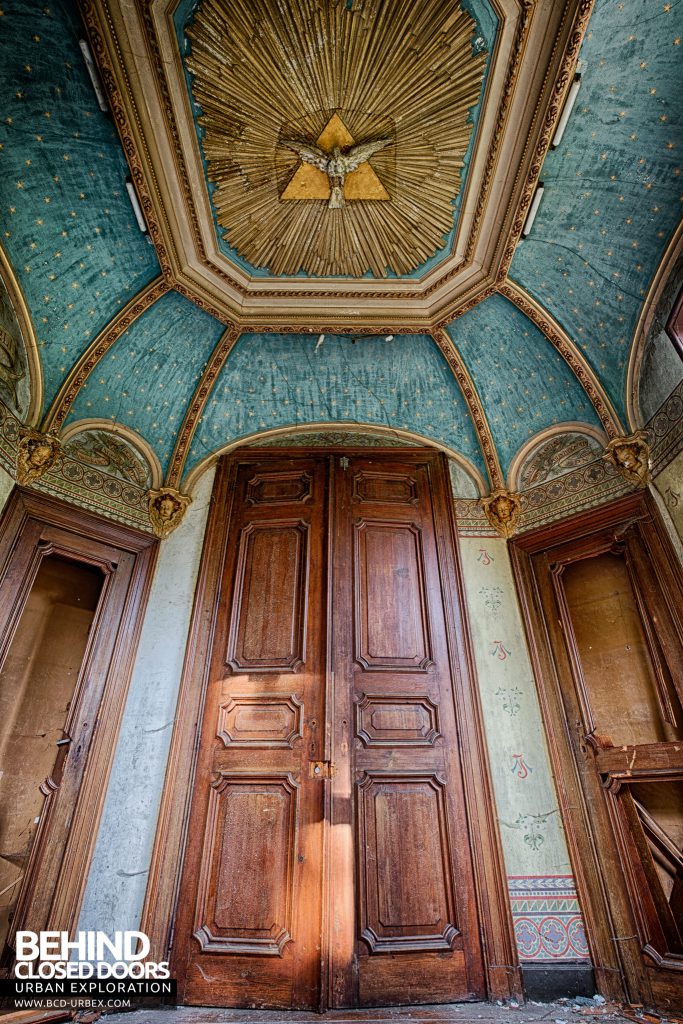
<point x="72" y="591"/>
<point x="603" y="596"/>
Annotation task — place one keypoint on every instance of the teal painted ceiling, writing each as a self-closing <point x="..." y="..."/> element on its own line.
<point x="148" y="376"/>
<point x="524" y="383"/>
<point x="612" y="201"/>
<point x="274" y="380"/>
<point x="613" y="187"/>
<point x="68" y="227"/>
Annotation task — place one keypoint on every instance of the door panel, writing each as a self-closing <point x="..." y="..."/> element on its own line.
<point x="397" y="791"/>
<point x="246" y="890"/>
<point x="249" y="919"/>
<point x="328" y="859"/>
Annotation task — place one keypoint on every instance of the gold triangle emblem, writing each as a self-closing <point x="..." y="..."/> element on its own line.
<point x="309" y="182"/>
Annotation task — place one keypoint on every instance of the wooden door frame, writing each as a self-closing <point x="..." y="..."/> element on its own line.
<point x="503" y="976"/>
<point x="34" y="526"/>
<point x="617" y="968"/>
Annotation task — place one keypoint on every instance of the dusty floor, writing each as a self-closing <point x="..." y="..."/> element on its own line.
<point x="463" y="1013"/>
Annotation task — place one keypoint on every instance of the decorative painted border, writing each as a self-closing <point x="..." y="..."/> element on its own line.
<point x="112" y="427"/>
<point x="666" y="429"/>
<point x="594" y="484"/>
<point x="569" y="427"/>
<point x="262" y="437"/>
<point x="547" y="919"/>
<point x="450" y="352"/>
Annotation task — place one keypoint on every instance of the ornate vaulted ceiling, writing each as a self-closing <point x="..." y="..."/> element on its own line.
<point x="412" y="308"/>
<point x="458" y="92"/>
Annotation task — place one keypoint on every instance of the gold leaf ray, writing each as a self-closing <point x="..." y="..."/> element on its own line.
<point x="402" y="69"/>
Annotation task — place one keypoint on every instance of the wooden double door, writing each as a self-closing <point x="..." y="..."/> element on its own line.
<point x="328" y="860"/>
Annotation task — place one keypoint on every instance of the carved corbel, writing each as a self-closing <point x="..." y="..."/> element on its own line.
<point x="37" y="453"/>
<point x="503" y="509"/>
<point x="631" y="457"/>
<point x="167" y="507"/>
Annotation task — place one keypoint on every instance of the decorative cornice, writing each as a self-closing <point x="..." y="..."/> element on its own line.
<point x="594" y="484"/>
<point x="146" y="91"/>
<point x="83" y="367"/>
<point x="467" y="305"/>
<point x="194" y="411"/>
<point x="647" y="312"/>
<point x="503" y="107"/>
<point x="569" y="351"/>
<point x="152" y="42"/>
<point x="28" y="335"/>
<point x="474" y="404"/>
<point x="562" y="84"/>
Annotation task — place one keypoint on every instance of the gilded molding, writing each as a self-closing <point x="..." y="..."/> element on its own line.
<point x="631" y="457"/>
<point x="83" y="367"/>
<point x="562" y="83"/>
<point x="237" y="295"/>
<point x="503" y="510"/>
<point x="95" y="15"/>
<point x="508" y="91"/>
<point x="28" y="334"/>
<point x="474" y="404"/>
<point x="36" y="454"/>
<point x="569" y="351"/>
<point x="640" y="335"/>
<point x="194" y="411"/>
<point x="167" y="508"/>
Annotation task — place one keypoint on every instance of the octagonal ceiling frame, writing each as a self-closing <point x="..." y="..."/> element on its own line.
<point x="144" y="111"/>
<point x="84" y="366"/>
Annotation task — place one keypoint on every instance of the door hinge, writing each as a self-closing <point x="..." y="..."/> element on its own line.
<point x="344" y="462"/>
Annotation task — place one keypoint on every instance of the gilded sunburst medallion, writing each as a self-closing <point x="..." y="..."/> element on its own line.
<point x="335" y="132"/>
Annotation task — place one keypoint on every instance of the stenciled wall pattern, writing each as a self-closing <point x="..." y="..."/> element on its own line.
<point x="547" y="918"/>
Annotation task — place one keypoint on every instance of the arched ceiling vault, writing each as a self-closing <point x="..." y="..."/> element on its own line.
<point x="660" y="279"/>
<point x="94" y="296"/>
<point x="531" y="58"/>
